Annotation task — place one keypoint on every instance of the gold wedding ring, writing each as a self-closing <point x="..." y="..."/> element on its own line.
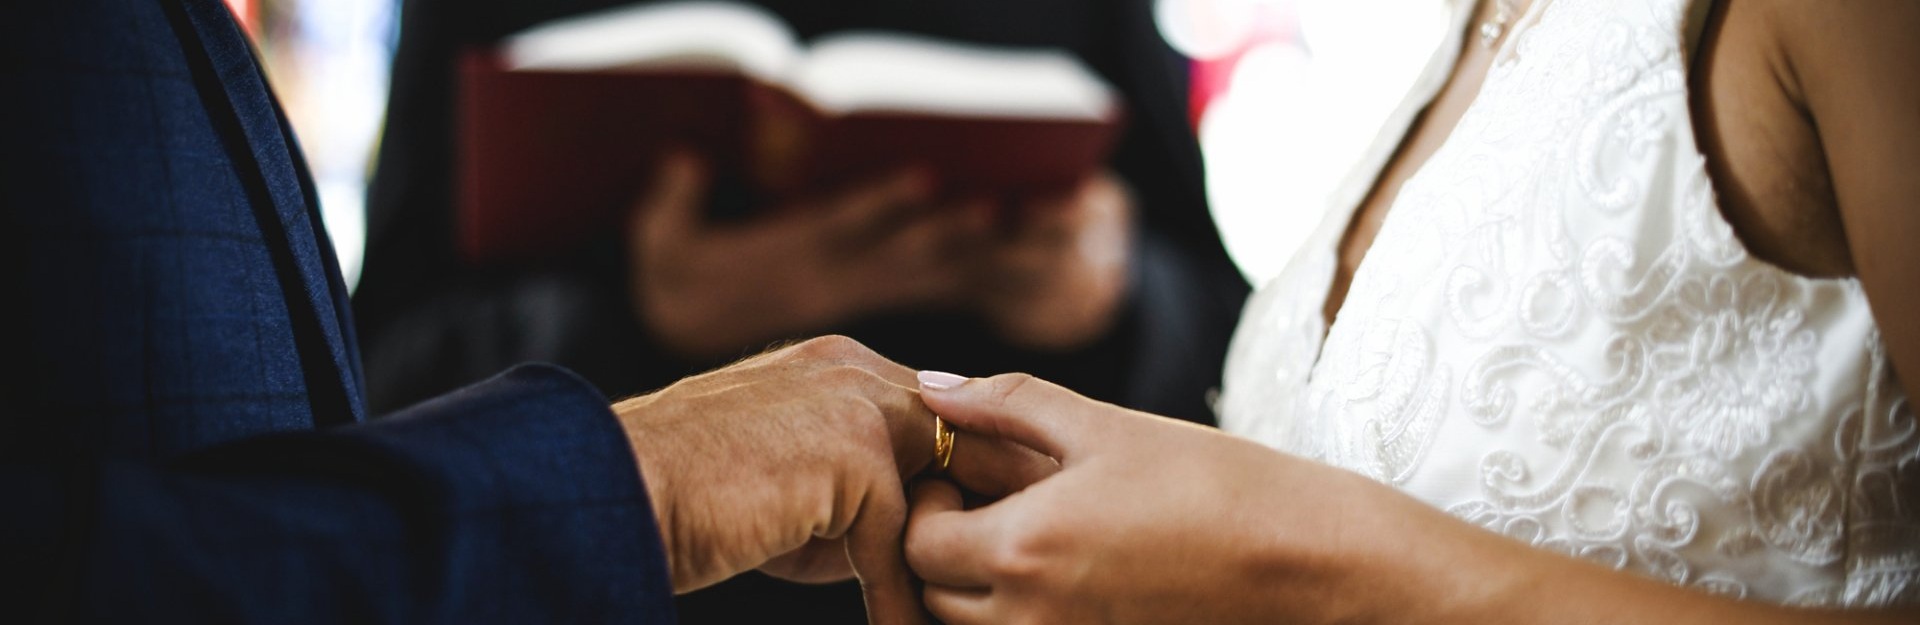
<point x="942" y="444"/>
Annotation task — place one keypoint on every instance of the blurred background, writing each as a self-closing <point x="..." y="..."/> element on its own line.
<point x="1285" y="94"/>
<point x="328" y="60"/>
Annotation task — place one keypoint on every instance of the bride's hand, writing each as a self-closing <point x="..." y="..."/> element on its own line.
<point x="1151" y="520"/>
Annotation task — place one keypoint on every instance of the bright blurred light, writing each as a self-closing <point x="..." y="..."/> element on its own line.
<point x="1300" y="110"/>
<point x="1207" y="29"/>
<point x="1260" y="176"/>
<point x="1378" y="33"/>
<point x="335" y="80"/>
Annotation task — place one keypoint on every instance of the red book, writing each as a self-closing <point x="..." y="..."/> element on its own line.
<point x="562" y="124"/>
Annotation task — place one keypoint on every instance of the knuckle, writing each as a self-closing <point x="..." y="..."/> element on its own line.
<point x="844" y="377"/>
<point x="1026" y="553"/>
<point x="870" y="429"/>
<point x="1018" y="560"/>
<point x="863" y="422"/>
<point x="1006" y="387"/>
<point x="780" y="352"/>
<point x="855" y="412"/>
<point x="833" y="347"/>
<point x="815" y="347"/>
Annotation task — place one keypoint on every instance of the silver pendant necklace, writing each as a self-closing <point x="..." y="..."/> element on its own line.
<point x="1496" y="26"/>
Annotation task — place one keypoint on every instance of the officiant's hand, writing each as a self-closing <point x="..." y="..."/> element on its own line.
<point x="1152" y="520"/>
<point x="711" y="290"/>
<point x="1054" y="278"/>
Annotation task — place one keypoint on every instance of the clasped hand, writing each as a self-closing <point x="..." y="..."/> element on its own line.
<point x="797" y="463"/>
<point x="794" y="463"/>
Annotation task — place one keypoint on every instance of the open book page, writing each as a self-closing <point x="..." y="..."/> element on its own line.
<point x="560" y="122"/>
<point x="874" y="71"/>
<point x="704" y="34"/>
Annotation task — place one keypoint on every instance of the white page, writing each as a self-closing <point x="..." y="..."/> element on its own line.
<point x="697" y="35"/>
<point x="909" y="73"/>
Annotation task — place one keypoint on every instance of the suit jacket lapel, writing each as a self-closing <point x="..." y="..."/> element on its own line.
<point x="243" y="91"/>
<point x="355" y="377"/>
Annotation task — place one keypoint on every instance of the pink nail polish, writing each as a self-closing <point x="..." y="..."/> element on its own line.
<point x="940" y="380"/>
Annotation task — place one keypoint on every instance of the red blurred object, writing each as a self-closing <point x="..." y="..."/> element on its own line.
<point x="246" y="12"/>
<point x="1209" y="79"/>
<point x="550" y="158"/>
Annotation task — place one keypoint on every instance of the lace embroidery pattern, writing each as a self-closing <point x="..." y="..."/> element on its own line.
<point x="1556" y="336"/>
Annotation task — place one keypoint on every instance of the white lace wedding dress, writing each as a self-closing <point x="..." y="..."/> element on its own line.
<point x="1556" y="336"/>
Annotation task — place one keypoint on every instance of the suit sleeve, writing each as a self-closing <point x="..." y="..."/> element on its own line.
<point x="515" y="500"/>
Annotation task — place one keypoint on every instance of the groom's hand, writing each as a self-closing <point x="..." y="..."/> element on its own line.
<point x="763" y="463"/>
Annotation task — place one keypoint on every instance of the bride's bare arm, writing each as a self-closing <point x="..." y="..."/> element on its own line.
<point x="1155" y="521"/>
<point x="1810" y="116"/>
<point x="1858" y="65"/>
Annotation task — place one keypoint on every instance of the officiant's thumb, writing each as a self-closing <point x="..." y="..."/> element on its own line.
<point x="671" y="204"/>
<point x="1015" y="406"/>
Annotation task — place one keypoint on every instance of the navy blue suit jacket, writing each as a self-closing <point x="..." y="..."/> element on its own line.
<point x="182" y="437"/>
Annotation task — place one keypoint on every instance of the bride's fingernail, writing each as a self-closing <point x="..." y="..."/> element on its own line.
<point x="940" y="380"/>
